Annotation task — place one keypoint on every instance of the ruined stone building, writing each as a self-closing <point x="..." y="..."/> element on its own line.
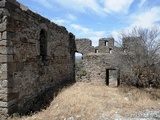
<point x="103" y="62"/>
<point x="35" y="55"/>
<point x="98" y="61"/>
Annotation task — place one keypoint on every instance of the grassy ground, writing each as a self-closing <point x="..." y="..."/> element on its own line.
<point x="95" y="101"/>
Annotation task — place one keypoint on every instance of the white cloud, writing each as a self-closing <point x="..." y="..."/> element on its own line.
<point x="141" y="3"/>
<point x="117" y="5"/>
<point x="147" y="18"/>
<point x="59" y="21"/>
<point x="115" y="34"/>
<point x="67" y="21"/>
<point x="80" y="5"/>
<point x="71" y="17"/>
<point x="83" y="32"/>
<point x="86" y="31"/>
<point x="46" y="3"/>
<point x="100" y="7"/>
<point x="80" y="29"/>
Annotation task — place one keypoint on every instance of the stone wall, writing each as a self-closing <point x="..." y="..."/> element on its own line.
<point x="84" y="46"/>
<point x="98" y="59"/>
<point x="35" y="55"/>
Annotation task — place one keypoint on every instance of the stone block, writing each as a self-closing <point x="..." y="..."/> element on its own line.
<point x="5" y="112"/>
<point x="6" y="43"/>
<point x="5" y="83"/>
<point x="4" y="35"/>
<point x="3" y="67"/>
<point x="6" y="50"/>
<point x="10" y="36"/>
<point x="3" y="27"/>
<point x="2" y="4"/>
<point x="3" y="97"/>
<point x="3" y="104"/>
<point x="2" y="42"/>
<point x="4" y="91"/>
<point x="3" y="50"/>
<point x="8" y="104"/>
<point x="3" y="75"/>
<point x="6" y="58"/>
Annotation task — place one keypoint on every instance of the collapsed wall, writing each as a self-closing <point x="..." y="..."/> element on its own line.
<point x="35" y="55"/>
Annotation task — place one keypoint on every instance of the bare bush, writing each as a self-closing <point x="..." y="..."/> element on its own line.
<point x="140" y="64"/>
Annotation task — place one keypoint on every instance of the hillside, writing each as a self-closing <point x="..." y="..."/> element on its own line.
<point x="94" y="101"/>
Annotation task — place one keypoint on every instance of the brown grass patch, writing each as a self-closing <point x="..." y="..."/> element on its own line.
<point x="95" y="101"/>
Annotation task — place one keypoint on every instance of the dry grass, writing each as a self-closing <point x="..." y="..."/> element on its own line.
<point x="94" y="101"/>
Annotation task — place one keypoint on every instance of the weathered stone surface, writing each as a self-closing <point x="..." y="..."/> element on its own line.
<point x="3" y="90"/>
<point x="3" y="67"/>
<point x="4" y="83"/>
<point x="3" y="104"/>
<point x="3" y="97"/>
<point x="35" y="55"/>
<point x="6" y="58"/>
<point x="3" y="75"/>
<point x="97" y="60"/>
<point x="3" y="27"/>
<point x="6" y="50"/>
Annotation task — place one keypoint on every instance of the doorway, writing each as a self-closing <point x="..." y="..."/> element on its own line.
<point x="117" y="76"/>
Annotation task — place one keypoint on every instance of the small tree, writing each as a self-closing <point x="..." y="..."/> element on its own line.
<point x="141" y="57"/>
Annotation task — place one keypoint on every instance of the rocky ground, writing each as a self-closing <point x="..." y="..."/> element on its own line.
<point x="95" y="101"/>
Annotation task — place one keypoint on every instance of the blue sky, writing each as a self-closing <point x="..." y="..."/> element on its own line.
<point x="95" y="19"/>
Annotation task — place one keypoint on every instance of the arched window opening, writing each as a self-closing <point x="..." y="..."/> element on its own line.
<point x="106" y="43"/>
<point x="43" y="45"/>
<point x="78" y="56"/>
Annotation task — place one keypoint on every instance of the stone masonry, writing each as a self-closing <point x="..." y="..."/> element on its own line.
<point x="35" y="55"/>
<point x="103" y="62"/>
<point x="99" y="60"/>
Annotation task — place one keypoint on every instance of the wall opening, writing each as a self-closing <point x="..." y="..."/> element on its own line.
<point x="124" y="50"/>
<point x="43" y="44"/>
<point x="110" y="50"/>
<point x="112" y="75"/>
<point x="106" y="43"/>
<point x="78" y="56"/>
<point x="96" y="50"/>
<point x="107" y="76"/>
